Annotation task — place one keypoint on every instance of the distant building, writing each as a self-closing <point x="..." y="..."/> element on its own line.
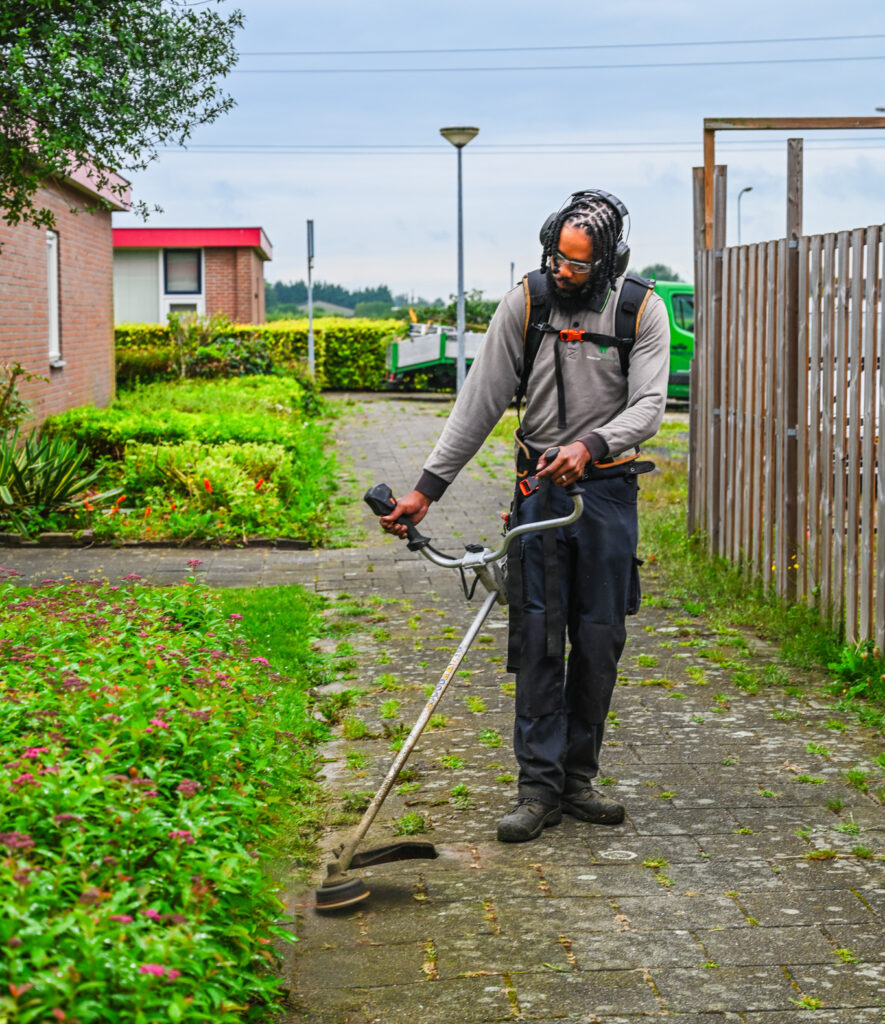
<point x="56" y="296"/>
<point x="331" y="307"/>
<point x="158" y="271"/>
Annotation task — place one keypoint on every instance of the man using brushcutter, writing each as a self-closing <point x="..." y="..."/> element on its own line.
<point x="587" y="346"/>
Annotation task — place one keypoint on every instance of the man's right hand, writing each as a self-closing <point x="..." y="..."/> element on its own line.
<point x="414" y="505"/>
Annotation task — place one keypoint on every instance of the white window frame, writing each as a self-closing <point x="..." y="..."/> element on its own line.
<point x="168" y="299"/>
<point x="53" y="305"/>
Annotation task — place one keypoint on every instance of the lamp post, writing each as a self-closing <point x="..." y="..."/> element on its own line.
<point x="459" y="137"/>
<point x="310" y="340"/>
<point x="746" y="188"/>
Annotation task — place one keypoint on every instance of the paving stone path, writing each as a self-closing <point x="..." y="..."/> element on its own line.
<point x="747" y="885"/>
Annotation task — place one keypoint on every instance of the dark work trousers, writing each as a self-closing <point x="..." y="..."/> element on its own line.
<point x="561" y="710"/>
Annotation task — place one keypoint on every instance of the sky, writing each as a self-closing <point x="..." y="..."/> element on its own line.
<point x="566" y="96"/>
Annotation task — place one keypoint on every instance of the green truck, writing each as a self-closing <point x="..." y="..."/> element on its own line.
<point x="427" y="354"/>
<point x="679" y="300"/>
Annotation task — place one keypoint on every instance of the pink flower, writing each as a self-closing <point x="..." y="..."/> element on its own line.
<point x="34" y="752"/>
<point x="159" y="723"/>
<point x="154" y="915"/>
<point x="134" y="576"/>
<point x="260" y="661"/>
<point x="235" y="616"/>
<point x="188" y="787"/>
<point x="158" y="970"/>
<point x="194" y="562"/>
<point x="172" y="974"/>
<point x="183" y="835"/>
<point x="122" y="918"/>
<point x="16" y="840"/>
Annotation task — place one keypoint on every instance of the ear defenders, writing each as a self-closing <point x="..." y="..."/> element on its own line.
<point x="622" y="252"/>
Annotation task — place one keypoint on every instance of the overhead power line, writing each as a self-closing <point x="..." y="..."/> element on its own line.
<point x="572" y="46"/>
<point x="522" y="149"/>
<point x="555" y="67"/>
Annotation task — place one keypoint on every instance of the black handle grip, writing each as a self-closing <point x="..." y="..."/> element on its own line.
<point x="380" y="499"/>
<point x="572" y="488"/>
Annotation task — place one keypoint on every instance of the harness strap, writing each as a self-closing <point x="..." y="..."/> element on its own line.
<point x="560" y="389"/>
<point x="514" y="593"/>
<point x="552" y="589"/>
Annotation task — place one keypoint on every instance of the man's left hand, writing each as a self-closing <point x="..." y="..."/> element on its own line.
<point x="568" y="466"/>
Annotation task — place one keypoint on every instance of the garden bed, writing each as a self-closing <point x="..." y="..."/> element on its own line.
<point x="210" y="462"/>
<point x="150" y="759"/>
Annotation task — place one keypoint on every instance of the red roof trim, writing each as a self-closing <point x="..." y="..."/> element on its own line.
<point x="194" y="238"/>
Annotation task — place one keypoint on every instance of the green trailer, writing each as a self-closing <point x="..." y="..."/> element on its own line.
<point x="428" y="352"/>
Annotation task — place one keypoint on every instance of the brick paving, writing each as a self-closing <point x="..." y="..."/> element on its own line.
<point x="746" y="886"/>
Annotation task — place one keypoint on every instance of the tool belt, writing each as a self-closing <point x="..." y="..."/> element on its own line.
<point x="625" y="465"/>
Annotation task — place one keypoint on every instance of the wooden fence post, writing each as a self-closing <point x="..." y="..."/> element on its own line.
<point x="790" y="381"/>
<point x="715" y="339"/>
<point x="695" y="478"/>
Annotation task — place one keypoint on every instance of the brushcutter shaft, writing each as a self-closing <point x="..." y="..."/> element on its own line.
<point x="342" y="863"/>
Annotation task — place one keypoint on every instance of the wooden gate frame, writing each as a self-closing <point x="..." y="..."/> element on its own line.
<point x="710" y="194"/>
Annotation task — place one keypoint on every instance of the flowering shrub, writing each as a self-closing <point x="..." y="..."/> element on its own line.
<point x="144" y="748"/>
<point x="214" y="492"/>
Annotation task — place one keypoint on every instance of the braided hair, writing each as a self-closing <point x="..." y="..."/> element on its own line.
<point x="602" y="224"/>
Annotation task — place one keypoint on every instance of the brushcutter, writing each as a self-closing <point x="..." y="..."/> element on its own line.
<point x="341" y="888"/>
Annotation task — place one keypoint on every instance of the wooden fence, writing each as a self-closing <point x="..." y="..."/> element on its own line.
<point x="787" y="409"/>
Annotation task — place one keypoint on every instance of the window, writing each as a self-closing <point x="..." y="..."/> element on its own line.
<point x="181" y="271"/>
<point x="137" y="286"/>
<point x="52" y="303"/>
<point x="683" y="311"/>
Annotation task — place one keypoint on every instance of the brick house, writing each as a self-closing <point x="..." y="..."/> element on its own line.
<point x="56" y="296"/>
<point x="202" y="270"/>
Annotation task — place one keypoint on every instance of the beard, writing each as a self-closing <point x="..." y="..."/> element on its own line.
<point x="573" y="300"/>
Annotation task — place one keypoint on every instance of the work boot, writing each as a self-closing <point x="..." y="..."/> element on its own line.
<point x="586" y="803"/>
<point x="527" y="820"/>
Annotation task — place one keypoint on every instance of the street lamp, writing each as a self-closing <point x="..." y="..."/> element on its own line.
<point x="459" y="137"/>
<point x="746" y="188"/>
<point x="311" y="362"/>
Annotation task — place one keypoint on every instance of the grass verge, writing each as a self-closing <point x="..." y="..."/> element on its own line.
<point x="690" y="578"/>
<point x="151" y="761"/>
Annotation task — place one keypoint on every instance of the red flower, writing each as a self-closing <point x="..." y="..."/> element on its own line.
<point x="206" y="484"/>
<point x="258" y="485"/>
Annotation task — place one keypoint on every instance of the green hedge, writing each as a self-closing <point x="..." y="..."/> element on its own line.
<point x="348" y="352"/>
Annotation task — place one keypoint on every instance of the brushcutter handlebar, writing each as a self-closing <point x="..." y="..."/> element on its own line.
<point x="380" y="500"/>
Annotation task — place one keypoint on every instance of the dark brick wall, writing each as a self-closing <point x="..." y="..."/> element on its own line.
<point x="235" y="284"/>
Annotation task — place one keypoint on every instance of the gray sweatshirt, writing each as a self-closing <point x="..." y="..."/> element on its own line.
<point x="599" y="399"/>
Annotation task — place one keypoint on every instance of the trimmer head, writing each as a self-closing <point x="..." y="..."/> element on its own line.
<point x="339" y="893"/>
<point x="339" y="890"/>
